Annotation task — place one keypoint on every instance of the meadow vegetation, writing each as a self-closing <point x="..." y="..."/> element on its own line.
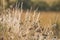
<point x="23" y="22"/>
<point x="29" y="25"/>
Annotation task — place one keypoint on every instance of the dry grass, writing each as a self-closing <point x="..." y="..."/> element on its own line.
<point x="21" y="25"/>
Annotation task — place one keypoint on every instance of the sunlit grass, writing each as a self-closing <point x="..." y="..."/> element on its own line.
<point x="29" y="25"/>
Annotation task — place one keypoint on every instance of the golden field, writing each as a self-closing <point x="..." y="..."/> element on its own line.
<point x="46" y="17"/>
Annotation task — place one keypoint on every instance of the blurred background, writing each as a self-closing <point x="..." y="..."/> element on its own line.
<point x="42" y="5"/>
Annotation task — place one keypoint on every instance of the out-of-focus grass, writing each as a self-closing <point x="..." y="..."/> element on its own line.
<point x="3" y="31"/>
<point x="46" y="20"/>
<point x="3" y="28"/>
<point x="56" y="29"/>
